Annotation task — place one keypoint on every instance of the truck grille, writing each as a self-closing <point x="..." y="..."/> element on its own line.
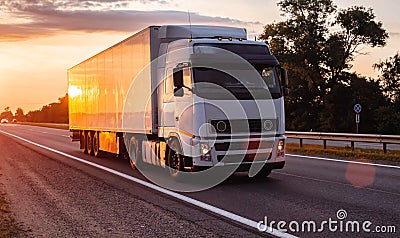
<point x="249" y="145"/>
<point x="240" y="126"/>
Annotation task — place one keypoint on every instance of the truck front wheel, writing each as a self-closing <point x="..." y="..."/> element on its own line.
<point x="263" y="173"/>
<point x="175" y="158"/>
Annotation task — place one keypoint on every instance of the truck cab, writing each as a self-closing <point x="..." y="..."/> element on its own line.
<point x="220" y="101"/>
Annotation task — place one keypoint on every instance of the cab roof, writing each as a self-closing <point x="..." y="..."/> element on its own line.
<point x="200" y="31"/>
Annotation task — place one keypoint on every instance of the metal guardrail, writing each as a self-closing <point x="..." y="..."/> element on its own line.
<point x="368" y="138"/>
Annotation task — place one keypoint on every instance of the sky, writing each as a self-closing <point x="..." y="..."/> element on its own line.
<point x="41" y="39"/>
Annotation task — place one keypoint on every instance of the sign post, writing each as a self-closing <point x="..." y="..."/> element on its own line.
<point x="357" y="109"/>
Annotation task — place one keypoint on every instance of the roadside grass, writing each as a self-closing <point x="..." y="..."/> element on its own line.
<point x="49" y="125"/>
<point x="8" y="225"/>
<point x="345" y="152"/>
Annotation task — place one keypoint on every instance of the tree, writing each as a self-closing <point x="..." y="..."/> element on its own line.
<point x="298" y="42"/>
<point x="388" y="120"/>
<point x="390" y="77"/>
<point x="389" y="81"/>
<point x="317" y="59"/>
<point x="368" y="93"/>
<point x="19" y="114"/>
<point x="52" y="113"/>
<point x="339" y="115"/>
<point x="358" y="28"/>
<point x="7" y="114"/>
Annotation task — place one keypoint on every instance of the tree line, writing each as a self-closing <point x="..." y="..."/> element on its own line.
<point x="56" y="112"/>
<point x="317" y="43"/>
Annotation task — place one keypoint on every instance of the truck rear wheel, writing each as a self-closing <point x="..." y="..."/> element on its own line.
<point x="89" y="143"/>
<point x="134" y="153"/>
<point x="96" y="145"/>
<point x="83" y="140"/>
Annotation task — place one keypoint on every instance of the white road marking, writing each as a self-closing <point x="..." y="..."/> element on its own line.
<point x="345" y="161"/>
<point x="192" y="201"/>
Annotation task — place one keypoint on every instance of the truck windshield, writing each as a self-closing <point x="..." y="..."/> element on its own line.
<point x="208" y="84"/>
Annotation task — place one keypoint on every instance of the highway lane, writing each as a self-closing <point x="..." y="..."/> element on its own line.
<point x="305" y="189"/>
<point x="54" y="196"/>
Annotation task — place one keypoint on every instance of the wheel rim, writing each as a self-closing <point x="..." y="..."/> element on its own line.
<point x="132" y="156"/>
<point x="175" y="159"/>
<point x="89" y="143"/>
<point x="84" y="142"/>
<point x="96" y="144"/>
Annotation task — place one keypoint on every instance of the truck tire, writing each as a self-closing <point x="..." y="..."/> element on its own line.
<point x="83" y="140"/>
<point x="134" y="153"/>
<point x="96" y="145"/>
<point x="175" y="158"/>
<point x="89" y="143"/>
<point x="263" y="173"/>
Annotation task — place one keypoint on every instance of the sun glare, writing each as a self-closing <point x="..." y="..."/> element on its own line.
<point x="74" y="91"/>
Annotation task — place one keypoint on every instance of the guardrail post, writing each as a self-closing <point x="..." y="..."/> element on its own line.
<point x="384" y="148"/>
<point x="301" y="143"/>
<point x="352" y="145"/>
<point x="324" y="144"/>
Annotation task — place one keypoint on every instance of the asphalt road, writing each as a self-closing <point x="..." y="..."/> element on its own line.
<point x="52" y="193"/>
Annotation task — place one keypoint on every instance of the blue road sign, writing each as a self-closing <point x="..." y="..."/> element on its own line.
<point x="357" y="108"/>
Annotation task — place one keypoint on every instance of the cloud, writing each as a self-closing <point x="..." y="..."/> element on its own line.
<point x="46" y="18"/>
<point x="26" y="5"/>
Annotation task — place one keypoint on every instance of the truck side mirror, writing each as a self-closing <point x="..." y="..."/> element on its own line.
<point x="285" y="82"/>
<point x="178" y="82"/>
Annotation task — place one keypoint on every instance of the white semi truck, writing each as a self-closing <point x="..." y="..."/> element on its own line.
<point x="186" y="97"/>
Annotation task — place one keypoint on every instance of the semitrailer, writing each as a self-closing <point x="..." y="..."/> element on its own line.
<point x="174" y="96"/>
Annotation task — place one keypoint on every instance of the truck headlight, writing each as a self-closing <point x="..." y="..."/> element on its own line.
<point x="204" y="148"/>
<point x="205" y="152"/>
<point x="280" y="152"/>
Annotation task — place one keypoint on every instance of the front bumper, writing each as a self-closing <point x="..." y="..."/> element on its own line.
<point x="244" y="152"/>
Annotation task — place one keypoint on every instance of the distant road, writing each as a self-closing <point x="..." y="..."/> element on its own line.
<point x="56" y="195"/>
<point x="363" y="145"/>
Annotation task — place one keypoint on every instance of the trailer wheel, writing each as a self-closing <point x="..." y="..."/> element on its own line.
<point x="134" y="153"/>
<point x="83" y="140"/>
<point x="96" y="145"/>
<point x="175" y="158"/>
<point x="89" y="143"/>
